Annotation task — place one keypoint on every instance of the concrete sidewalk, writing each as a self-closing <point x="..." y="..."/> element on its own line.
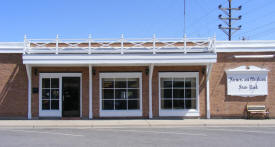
<point x="138" y="123"/>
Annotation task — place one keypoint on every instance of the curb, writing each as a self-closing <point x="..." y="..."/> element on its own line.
<point x="134" y="123"/>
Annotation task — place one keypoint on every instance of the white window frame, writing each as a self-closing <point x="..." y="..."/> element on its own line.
<point x="57" y="113"/>
<point x="180" y="112"/>
<point x="121" y="113"/>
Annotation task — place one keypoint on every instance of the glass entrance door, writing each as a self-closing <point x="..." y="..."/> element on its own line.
<point x="60" y="94"/>
<point x="50" y="96"/>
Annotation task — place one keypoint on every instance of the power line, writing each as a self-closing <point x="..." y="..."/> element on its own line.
<point x="268" y="31"/>
<point x="248" y="1"/>
<point x="261" y="26"/>
<point x="262" y="16"/>
<point x="199" y="20"/>
<point x="199" y="4"/>
<point x="259" y="7"/>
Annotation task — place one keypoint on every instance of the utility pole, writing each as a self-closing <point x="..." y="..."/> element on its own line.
<point x="228" y="20"/>
<point x="184" y="29"/>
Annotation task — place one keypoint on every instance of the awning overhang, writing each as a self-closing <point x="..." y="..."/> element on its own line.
<point x="119" y="59"/>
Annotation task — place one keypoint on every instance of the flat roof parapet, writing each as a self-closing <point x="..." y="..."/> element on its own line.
<point x="122" y="45"/>
<point x="139" y="45"/>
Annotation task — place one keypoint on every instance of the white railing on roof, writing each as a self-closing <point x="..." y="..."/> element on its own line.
<point x="120" y="46"/>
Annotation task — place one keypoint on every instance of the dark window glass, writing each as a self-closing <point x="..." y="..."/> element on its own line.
<point x="179" y="96"/>
<point x="55" y="94"/>
<point x="54" y="83"/>
<point x="166" y="93"/>
<point x="133" y="93"/>
<point x="45" y="93"/>
<point x="166" y="82"/>
<point x="178" y="104"/>
<point x="190" y="93"/>
<point x="54" y="104"/>
<point x="133" y="83"/>
<point x="178" y="93"/>
<point x="107" y="105"/>
<point x="120" y="83"/>
<point x="190" y="104"/>
<point x="120" y="105"/>
<point x="46" y="83"/>
<point x="133" y="104"/>
<point x="166" y="104"/>
<point x="193" y="93"/>
<point x="120" y="89"/>
<point x="178" y="83"/>
<point x="120" y="93"/>
<point x="193" y="104"/>
<point x="45" y="104"/>
<point x="108" y="83"/>
<point x="108" y="94"/>
<point x="190" y="82"/>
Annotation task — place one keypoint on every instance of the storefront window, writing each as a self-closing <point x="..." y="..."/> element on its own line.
<point x="178" y="92"/>
<point x="120" y="93"/>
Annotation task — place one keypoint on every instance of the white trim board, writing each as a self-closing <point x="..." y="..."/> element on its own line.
<point x="253" y="56"/>
<point x="80" y="59"/>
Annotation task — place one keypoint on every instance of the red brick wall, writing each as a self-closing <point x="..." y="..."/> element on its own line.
<point x="145" y="88"/>
<point x="223" y="105"/>
<point x="85" y="86"/>
<point x="13" y="86"/>
<point x="202" y="94"/>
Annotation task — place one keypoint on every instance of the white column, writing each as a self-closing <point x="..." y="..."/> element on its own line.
<point x="29" y="74"/>
<point x="151" y="69"/>
<point x="90" y="92"/>
<point x="208" y="73"/>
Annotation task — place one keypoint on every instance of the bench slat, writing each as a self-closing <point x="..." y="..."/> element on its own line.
<point x="259" y="112"/>
<point x="256" y="109"/>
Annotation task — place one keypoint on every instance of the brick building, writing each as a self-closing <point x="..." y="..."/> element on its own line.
<point x="135" y="78"/>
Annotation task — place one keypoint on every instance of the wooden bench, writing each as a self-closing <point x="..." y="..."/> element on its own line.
<point x="257" y="109"/>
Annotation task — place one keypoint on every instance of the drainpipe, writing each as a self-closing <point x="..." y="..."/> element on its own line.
<point x="151" y="69"/>
<point x="29" y="75"/>
<point x="208" y="72"/>
<point x="90" y="92"/>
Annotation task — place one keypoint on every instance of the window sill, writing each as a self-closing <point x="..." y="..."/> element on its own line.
<point x="120" y="113"/>
<point x="191" y="112"/>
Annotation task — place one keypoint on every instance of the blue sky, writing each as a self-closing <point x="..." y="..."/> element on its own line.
<point x="133" y="18"/>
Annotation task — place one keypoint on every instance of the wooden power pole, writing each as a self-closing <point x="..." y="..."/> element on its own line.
<point x="228" y="20"/>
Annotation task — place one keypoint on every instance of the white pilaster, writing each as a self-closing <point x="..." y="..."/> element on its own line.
<point x="90" y="92"/>
<point x="29" y="75"/>
<point x="208" y="73"/>
<point x="151" y="69"/>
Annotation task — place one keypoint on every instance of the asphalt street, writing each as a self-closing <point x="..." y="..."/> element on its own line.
<point x="139" y="136"/>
